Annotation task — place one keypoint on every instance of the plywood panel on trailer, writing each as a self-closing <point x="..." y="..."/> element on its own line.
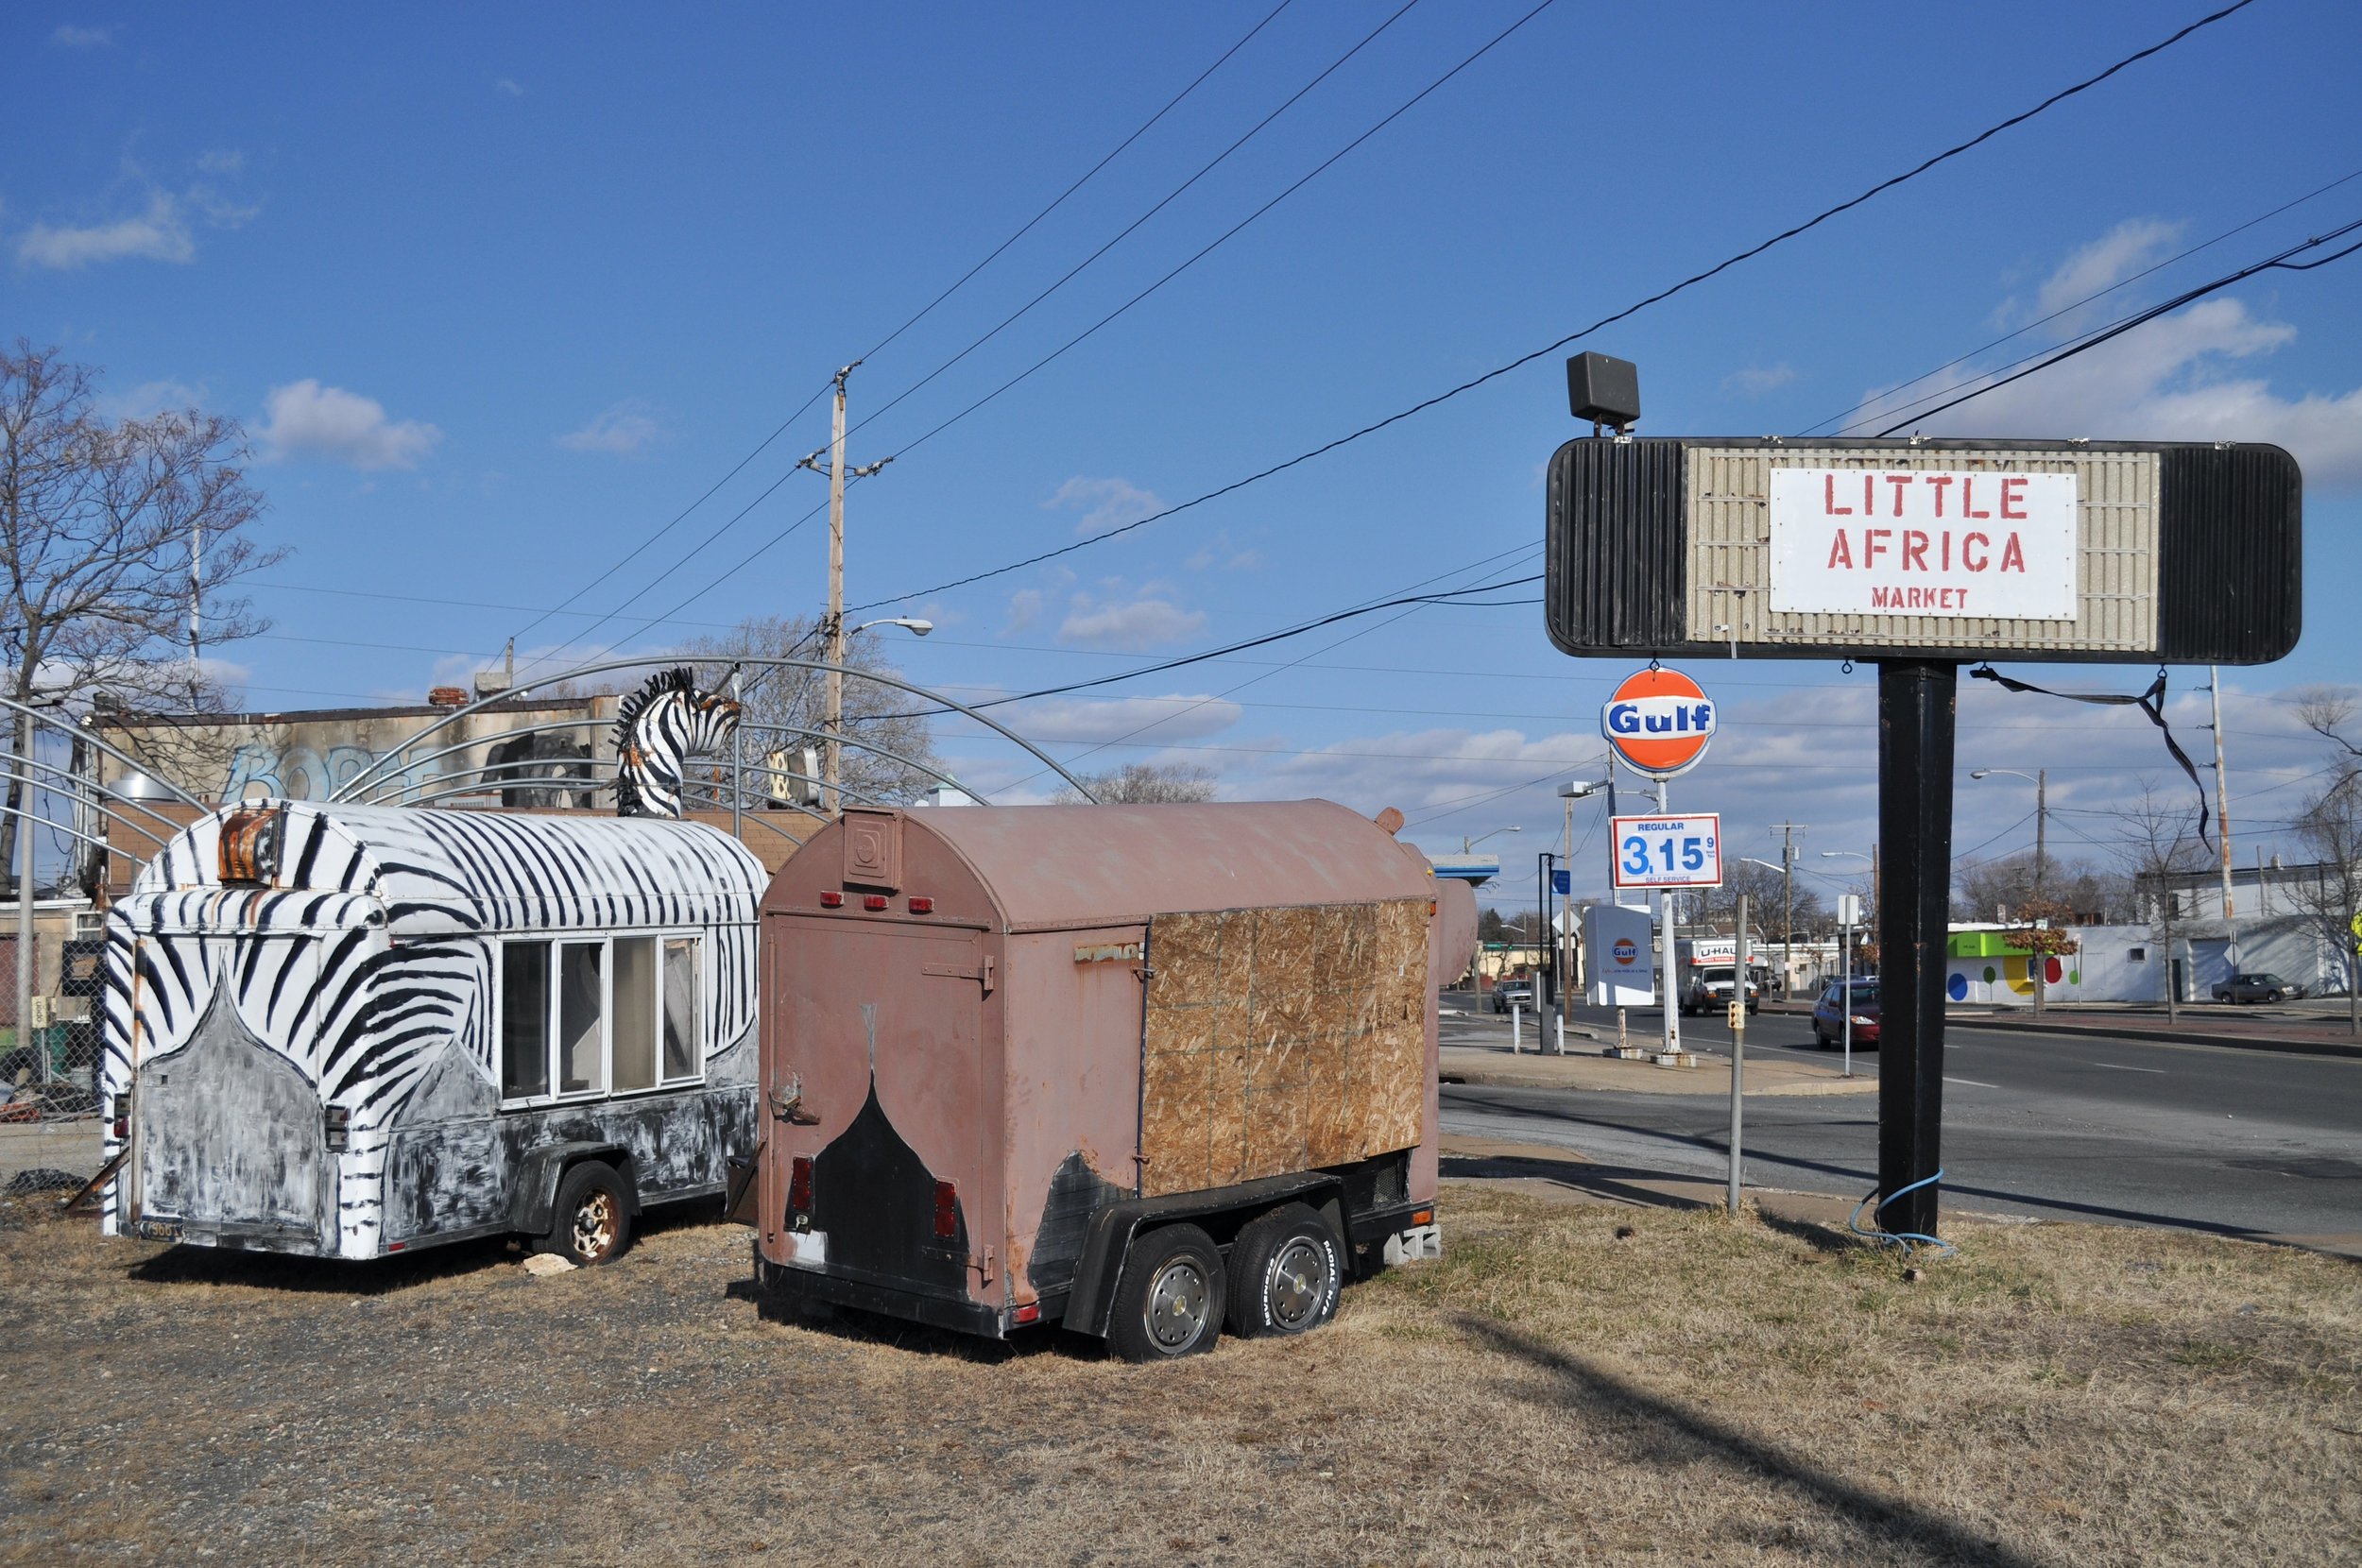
<point x="1277" y="1040"/>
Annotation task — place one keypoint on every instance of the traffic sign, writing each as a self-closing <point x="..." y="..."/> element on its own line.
<point x="1666" y="852"/>
<point x="1658" y="721"/>
<point x="1561" y="881"/>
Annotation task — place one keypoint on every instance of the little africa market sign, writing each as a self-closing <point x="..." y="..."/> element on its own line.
<point x="1986" y="545"/>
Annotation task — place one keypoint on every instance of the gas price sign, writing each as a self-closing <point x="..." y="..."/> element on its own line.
<point x="1668" y="852"/>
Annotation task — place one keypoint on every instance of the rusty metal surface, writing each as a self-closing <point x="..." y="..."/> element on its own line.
<point x="1280" y="1040"/>
<point x="1053" y="866"/>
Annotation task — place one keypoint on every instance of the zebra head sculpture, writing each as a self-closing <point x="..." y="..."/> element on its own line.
<point x="658" y="729"/>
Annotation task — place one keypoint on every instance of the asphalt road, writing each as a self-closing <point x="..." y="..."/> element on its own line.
<point x="2062" y="1126"/>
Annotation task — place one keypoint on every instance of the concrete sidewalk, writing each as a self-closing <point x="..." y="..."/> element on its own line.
<point x="2287" y="1029"/>
<point x="1492" y="1065"/>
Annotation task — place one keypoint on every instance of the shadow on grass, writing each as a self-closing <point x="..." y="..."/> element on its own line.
<point x="1618" y="1183"/>
<point x="1821" y="1238"/>
<point x="1908" y="1533"/>
<point x="852" y="1326"/>
<point x="299" y="1275"/>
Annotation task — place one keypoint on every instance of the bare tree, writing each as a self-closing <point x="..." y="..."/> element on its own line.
<point x="120" y="543"/>
<point x="783" y="708"/>
<point x="1147" y="784"/>
<point x="2157" y="845"/>
<point x="2330" y="829"/>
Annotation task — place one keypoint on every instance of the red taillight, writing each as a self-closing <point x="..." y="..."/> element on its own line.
<point x="873" y="902"/>
<point x="832" y="900"/>
<point x="1029" y="1313"/>
<point x="922" y="906"/>
<point x="947" y="1208"/>
<point x="799" y="1184"/>
<point x="122" y="1127"/>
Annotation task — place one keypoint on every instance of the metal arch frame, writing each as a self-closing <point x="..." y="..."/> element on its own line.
<point x="872" y="747"/>
<point x="8" y="810"/>
<point x="376" y="794"/>
<point x="84" y="732"/>
<point x="114" y="813"/>
<point x="478" y="787"/>
<point x="345" y="790"/>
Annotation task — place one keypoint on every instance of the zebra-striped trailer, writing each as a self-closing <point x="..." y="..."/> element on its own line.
<point x="348" y="1030"/>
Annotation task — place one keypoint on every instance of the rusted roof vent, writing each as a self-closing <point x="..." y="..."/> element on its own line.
<point x="447" y="696"/>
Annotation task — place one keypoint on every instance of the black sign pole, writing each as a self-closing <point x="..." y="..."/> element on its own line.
<point x="1917" y="701"/>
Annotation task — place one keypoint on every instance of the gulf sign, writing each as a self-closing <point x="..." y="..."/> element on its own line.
<point x="1623" y="952"/>
<point x="2100" y="552"/>
<point x="1658" y="721"/>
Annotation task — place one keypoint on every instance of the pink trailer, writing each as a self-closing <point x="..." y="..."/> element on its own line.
<point x="1136" y="1069"/>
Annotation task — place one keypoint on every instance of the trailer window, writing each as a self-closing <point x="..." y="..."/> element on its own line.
<point x="581" y="997"/>
<point x="524" y="1020"/>
<point x="635" y="1013"/>
<point x="684" y="1006"/>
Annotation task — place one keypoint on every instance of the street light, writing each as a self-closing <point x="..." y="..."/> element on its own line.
<point x="2039" y="965"/>
<point x="1467" y="844"/>
<point x="832" y="720"/>
<point x="2040" y="779"/>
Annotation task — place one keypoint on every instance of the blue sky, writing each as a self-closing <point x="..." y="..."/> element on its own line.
<point x="499" y="292"/>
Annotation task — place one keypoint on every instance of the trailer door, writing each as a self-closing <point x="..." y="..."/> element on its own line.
<point x="877" y="1043"/>
<point x="227" y="1133"/>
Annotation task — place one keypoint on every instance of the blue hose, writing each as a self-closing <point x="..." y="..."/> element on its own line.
<point x="1906" y="1240"/>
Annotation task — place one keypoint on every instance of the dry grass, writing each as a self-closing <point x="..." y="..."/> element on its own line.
<point x="1701" y="1393"/>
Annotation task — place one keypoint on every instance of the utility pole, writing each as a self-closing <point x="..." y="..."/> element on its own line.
<point x="2222" y="818"/>
<point x="1738" y="1046"/>
<point x="832" y="718"/>
<point x="1788" y="831"/>
<point x="2041" y="860"/>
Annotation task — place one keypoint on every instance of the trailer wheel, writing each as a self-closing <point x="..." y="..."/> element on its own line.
<point x="1170" y="1297"/>
<point x="1286" y="1270"/>
<point x="591" y="1221"/>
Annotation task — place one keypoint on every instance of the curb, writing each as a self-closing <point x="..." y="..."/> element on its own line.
<point x="2276" y="1045"/>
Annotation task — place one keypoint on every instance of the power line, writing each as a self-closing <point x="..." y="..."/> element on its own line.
<point x="924" y="310"/>
<point x="2078" y="304"/>
<point x="1126" y="231"/>
<point x="1690" y="281"/>
<point x="2118" y="329"/>
<point x="1200" y="255"/>
<point x="994" y="255"/>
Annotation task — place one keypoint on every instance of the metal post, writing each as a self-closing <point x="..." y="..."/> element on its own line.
<point x="1918" y="702"/>
<point x="24" y="825"/>
<point x="1738" y="1048"/>
<point x="738" y="759"/>
<point x="1846" y="997"/>
<point x="1517" y="1029"/>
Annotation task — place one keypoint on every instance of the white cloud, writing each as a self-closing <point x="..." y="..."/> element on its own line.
<point x="1755" y="380"/>
<point x="305" y="419"/>
<point x="71" y="37"/>
<point x="2134" y="244"/>
<point x="222" y="161"/>
<point x="1104" y="502"/>
<point x="1143" y="622"/>
<point x="152" y="398"/>
<point x="1219" y="552"/>
<point x="161" y="233"/>
<point x="504" y="85"/>
<point x="625" y="430"/>
<point x="1166" y="719"/>
<point x="2171" y="379"/>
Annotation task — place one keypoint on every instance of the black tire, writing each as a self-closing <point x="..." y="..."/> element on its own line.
<point x="2272" y="996"/>
<point x="1286" y="1270"/>
<point x="590" y="1219"/>
<point x="1170" y="1297"/>
<point x="1821" y="1041"/>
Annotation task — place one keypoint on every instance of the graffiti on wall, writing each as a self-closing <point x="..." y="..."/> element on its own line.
<point x="293" y="773"/>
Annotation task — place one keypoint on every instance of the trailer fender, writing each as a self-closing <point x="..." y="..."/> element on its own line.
<point x="1091" y="1298"/>
<point x="545" y="1166"/>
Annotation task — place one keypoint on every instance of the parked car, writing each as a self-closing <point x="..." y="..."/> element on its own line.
<point x="1828" y="1015"/>
<point x="2265" y="987"/>
<point x="1512" y="994"/>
